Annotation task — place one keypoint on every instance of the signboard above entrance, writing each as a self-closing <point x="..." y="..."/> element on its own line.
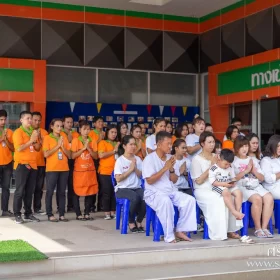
<point x="249" y="78"/>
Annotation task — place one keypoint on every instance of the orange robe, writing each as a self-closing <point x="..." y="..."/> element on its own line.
<point x="84" y="175"/>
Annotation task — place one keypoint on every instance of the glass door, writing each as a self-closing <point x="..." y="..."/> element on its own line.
<point x="243" y="112"/>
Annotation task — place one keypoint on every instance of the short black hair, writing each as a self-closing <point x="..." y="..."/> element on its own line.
<point x="161" y="135"/>
<point x="227" y="155"/>
<point x="179" y="129"/>
<point x="235" y="119"/>
<point x="96" y="118"/>
<point x="3" y="113"/>
<point x="67" y="117"/>
<point x="208" y="124"/>
<point x="23" y="113"/>
<point x="83" y="123"/>
<point x="36" y="114"/>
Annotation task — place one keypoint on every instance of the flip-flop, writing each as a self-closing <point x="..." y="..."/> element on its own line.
<point x="267" y="233"/>
<point x="233" y="235"/>
<point x="246" y="239"/>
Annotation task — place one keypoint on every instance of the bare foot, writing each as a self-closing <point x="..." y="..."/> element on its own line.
<point x="238" y="215"/>
<point x="173" y="241"/>
<point x="183" y="236"/>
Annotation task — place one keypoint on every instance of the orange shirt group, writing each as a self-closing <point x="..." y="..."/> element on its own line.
<point x="6" y="156"/>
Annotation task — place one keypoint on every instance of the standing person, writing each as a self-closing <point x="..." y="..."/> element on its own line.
<point x="208" y="127"/>
<point x="181" y="131"/>
<point x="238" y="123"/>
<point x="143" y="131"/>
<point x="26" y="145"/>
<point x="270" y="165"/>
<point x="128" y="172"/>
<point x="161" y="195"/>
<point x="140" y="146"/>
<point x="57" y="152"/>
<point x="190" y="127"/>
<point x="169" y="129"/>
<point x="68" y="123"/>
<point x="97" y="134"/>
<point x="218" y="147"/>
<point x="41" y="165"/>
<point x="6" y="163"/>
<point x="107" y="151"/>
<point x="231" y="134"/>
<point x="84" y="150"/>
<point x="250" y="175"/>
<point x="192" y="140"/>
<point x="122" y="130"/>
<point x="159" y="124"/>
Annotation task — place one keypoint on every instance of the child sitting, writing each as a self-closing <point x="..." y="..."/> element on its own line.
<point x="222" y="178"/>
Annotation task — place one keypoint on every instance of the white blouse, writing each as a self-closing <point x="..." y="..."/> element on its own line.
<point x="270" y="166"/>
<point x="199" y="166"/>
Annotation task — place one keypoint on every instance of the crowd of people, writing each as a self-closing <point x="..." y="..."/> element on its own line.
<point x="224" y="174"/>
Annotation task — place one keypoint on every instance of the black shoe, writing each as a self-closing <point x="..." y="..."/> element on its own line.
<point x="134" y="230"/>
<point x="40" y="212"/>
<point x="30" y="218"/>
<point x="141" y="230"/>
<point x="7" y="214"/>
<point x="19" y="220"/>
<point x="70" y="210"/>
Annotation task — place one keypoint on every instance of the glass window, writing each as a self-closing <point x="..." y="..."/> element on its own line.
<point x="206" y="102"/>
<point x="70" y="84"/>
<point x="173" y="89"/>
<point x="13" y="110"/>
<point x="122" y="87"/>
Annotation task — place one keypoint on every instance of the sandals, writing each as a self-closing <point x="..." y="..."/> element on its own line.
<point x="80" y="218"/>
<point x="233" y="235"/>
<point x="141" y="230"/>
<point x="88" y="218"/>
<point x="267" y="233"/>
<point x="260" y="233"/>
<point x="52" y="219"/>
<point x="247" y="240"/>
<point x="134" y="230"/>
<point x="63" y="220"/>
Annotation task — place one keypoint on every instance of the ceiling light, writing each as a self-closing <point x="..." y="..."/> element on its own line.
<point x="151" y="2"/>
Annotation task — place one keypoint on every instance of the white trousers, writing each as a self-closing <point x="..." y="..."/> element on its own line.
<point x="162" y="204"/>
<point x="275" y="191"/>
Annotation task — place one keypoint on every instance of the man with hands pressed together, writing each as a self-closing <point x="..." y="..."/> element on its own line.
<point x="6" y="163"/>
<point x="160" y="194"/>
<point x="26" y="145"/>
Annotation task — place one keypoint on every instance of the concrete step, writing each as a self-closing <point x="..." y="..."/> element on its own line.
<point x="222" y="270"/>
<point x="196" y="258"/>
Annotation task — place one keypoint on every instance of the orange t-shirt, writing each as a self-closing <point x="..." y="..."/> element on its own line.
<point x="228" y="144"/>
<point x="75" y="134"/>
<point x="6" y="155"/>
<point x="173" y="138"/>
<point x="40" y="155"/>
<point x="139" y="154"/>
<point x="106" y="165"/>
<point x="94" y="135"/>
<point x="53" y="163"/>
<point x="26" y="156"/>
<point x="84" y="162"/>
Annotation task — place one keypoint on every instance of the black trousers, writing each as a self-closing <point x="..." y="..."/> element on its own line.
<point x="25" y="186"/>
<point x="108" y="194"/>
<point x="58" y="180"/>
<point x="38" y="193"/>
<point x="88" y="204"/>
<point x="99" y="195"/>
<point x="70" y="189"/>
<point x="6" y="172"/>
<point x="137" y="203"/>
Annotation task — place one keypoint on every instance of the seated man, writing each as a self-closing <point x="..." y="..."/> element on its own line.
<point x="161" y="195"/>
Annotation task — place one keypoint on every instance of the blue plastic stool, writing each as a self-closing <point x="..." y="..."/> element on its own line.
<point x="248" y="221"/>
<point x="151" y="217"/>
<point x="205" y="231"/>
<point x="277" y="214"/>
<point x="122" y="210"/>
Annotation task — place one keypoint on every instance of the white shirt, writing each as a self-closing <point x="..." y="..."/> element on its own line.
<point x="132" y="181"/>
<point x="151" y="165"/>
<point x="239" y="165"/>
<point x="241" y="134"/>
<point x="151" y="142"/>
<point x="191" y="141"/>
<point x="219" y="174"/>
<point x="182" y="182"/>
<point x="270" y="167"/>
<point x="200" y="165"/>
